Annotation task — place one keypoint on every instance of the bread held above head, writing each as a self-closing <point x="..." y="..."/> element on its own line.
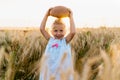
<point x="59" y="12"/>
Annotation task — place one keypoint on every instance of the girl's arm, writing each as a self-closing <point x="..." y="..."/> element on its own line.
<point x="43" y="24"/>
<point x="72" y="28"/>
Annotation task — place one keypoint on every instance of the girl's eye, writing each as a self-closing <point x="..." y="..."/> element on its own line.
<point x="61" y="30"/>
<point x="55" y="30"/>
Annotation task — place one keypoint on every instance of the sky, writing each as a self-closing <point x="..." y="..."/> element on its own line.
<point x="86" y="13"/>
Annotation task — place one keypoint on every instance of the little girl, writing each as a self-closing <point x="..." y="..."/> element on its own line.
<point x="58" y="49"/>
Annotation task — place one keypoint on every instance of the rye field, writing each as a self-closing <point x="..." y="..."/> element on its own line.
<point x="95" y="51"/>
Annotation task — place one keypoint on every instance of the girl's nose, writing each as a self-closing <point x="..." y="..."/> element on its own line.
<point x="58" y="33"/>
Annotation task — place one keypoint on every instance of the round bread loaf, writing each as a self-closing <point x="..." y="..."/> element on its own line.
<point x="59" y="12"/>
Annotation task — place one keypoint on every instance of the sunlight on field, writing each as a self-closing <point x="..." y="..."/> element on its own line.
<point x="19" y="28"/>
<point x="95" y="51"/>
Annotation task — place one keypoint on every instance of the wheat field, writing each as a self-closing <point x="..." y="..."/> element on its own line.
<point x="95" y="51"/>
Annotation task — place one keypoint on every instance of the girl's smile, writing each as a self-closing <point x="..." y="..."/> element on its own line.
<point x="58" y="31"/>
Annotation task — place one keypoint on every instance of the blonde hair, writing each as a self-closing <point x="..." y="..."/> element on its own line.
<point x="57" y="22"/>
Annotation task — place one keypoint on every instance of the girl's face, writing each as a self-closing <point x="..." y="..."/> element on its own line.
<point x="58" y="31"/>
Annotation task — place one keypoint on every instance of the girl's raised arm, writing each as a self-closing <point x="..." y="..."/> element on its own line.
<point x="72" y="28"/>
<point x="43" y="24"/>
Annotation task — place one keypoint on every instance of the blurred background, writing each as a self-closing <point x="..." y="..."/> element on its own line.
<point x="87" y="13"/>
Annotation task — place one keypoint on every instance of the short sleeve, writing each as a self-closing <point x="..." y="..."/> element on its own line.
<point x="64" y="41"/>
<point x="50" y="40"/>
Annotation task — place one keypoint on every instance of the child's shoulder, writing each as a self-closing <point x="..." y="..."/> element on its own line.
<point x="52" y="39"/>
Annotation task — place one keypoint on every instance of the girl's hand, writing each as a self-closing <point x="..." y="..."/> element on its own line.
<point x="70" y="12"/>
<point x="48" y="12"/>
